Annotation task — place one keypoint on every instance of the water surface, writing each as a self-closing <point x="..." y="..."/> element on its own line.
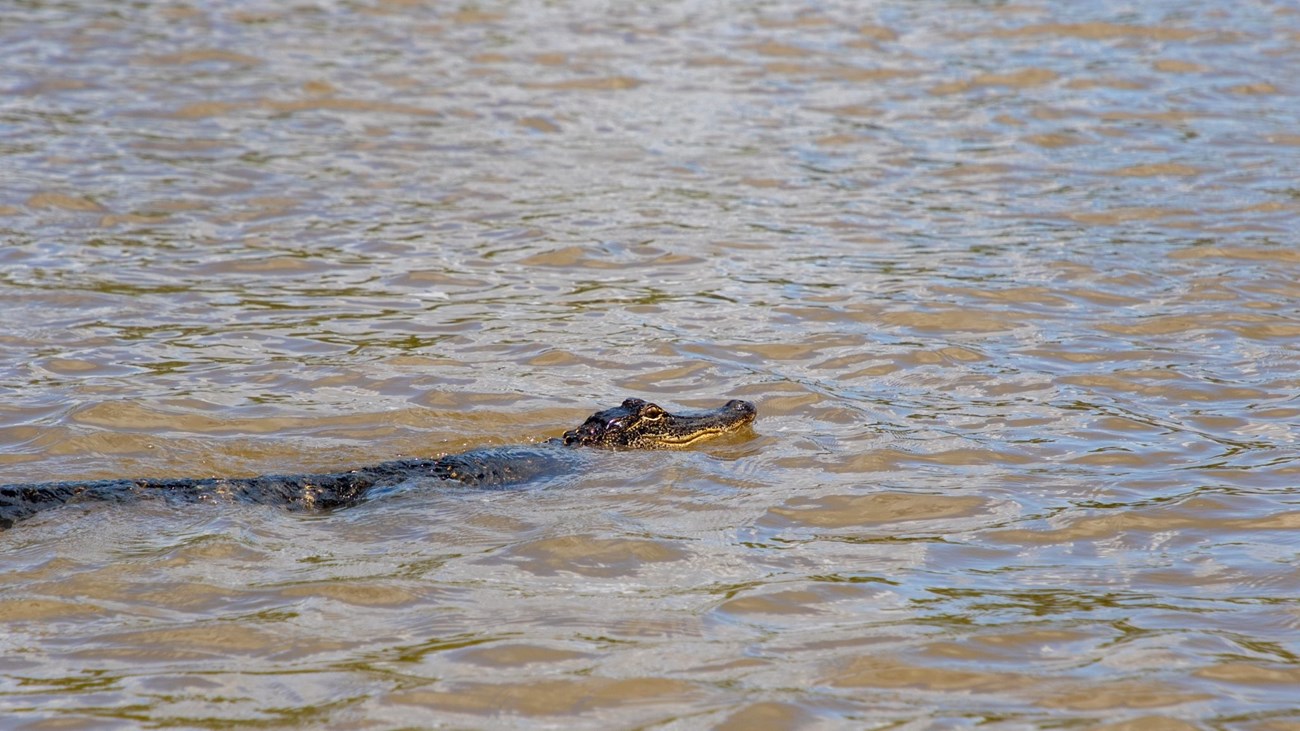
<point x="1014" y="287"/>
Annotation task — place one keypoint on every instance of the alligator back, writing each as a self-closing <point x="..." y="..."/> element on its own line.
<point x="481" y="468"/>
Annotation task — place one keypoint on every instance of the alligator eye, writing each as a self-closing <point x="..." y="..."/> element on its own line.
<point x="652" y="413"/>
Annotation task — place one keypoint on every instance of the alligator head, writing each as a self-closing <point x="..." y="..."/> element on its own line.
<point x="637" y="424"/>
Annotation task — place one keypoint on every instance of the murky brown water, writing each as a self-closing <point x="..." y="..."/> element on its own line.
<point x="1014" y="287"/>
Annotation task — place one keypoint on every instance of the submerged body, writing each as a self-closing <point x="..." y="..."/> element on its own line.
<point x="634" y="424"/>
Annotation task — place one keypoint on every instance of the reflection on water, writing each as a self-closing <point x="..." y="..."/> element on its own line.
<point x="1014" y="286"/>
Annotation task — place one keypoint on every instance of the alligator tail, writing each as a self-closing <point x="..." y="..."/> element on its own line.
<point x="18" y="502"/>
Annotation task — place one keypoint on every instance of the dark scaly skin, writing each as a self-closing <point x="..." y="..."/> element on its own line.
<point x="634" y="424"/>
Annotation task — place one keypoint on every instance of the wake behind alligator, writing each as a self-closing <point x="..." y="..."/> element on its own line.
<point x="634" y="424"/>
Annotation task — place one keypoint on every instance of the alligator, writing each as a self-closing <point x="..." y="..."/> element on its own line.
<point x="634" y="424"/>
